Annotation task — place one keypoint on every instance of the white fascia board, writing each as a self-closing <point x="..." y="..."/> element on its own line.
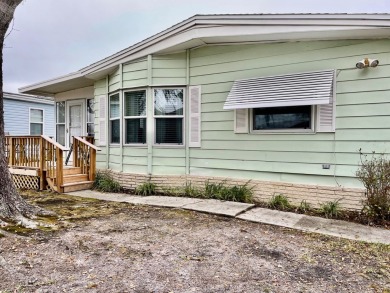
<point x="62" y="78"/>
<point x="194" y="30"/>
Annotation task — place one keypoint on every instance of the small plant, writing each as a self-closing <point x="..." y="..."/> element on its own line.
<point x="146" y="188"/>
<point x="105" y="183"/>
<point x="191" y="191"/>
<point x="304" y="207"/>
<point x="331" y="209"/>
<point x="213" y="190"/>
<point x="279" y="202"/>
<point x="240" y="193"/>
<point x="374" y="173"/>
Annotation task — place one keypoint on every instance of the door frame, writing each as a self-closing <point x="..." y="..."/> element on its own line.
<point x="70" y="103"/>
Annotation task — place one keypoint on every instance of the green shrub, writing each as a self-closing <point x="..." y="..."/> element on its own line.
<point x="374" y="173"/>
<point x="279" y="202"/>
<point x="105" y="183"/>
<point x="304" y="207"/>
<point x="146" y="188"/>
<point x="331" y="209"/>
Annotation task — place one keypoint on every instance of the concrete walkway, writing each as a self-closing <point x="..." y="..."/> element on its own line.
<point x="249" y="212"/>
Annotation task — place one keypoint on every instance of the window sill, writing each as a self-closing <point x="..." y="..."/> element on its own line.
<point x="284" y="131"/>
<point x="167" y="146"/>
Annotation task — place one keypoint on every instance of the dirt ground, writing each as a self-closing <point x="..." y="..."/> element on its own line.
<point x="96" y="246"/>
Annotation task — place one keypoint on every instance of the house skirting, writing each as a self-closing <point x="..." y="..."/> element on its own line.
<point x="350" y="198"/>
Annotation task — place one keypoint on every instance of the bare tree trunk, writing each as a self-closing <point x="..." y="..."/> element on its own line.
<point x="12" y="206"/>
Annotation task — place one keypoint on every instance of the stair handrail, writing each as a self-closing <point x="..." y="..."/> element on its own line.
<point x="84" y="156"/>
<point x="52" y="162"/>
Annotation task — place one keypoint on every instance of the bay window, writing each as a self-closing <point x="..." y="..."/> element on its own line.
<point x="135" y="117"/>
<point x="169" y="116"/>
<point x="114" y="119"/>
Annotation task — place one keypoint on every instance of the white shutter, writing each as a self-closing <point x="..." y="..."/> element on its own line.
<point x="102" y="120"/>
<point x="241" y="121"/>
<point x="326" y="121"/>
<point x="195" y="116"/>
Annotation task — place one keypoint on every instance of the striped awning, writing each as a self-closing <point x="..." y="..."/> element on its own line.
<point x="306" y="88"/>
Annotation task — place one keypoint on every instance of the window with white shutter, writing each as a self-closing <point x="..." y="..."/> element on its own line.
<point x="195" y="116"/>
<point x="284" y="102"/>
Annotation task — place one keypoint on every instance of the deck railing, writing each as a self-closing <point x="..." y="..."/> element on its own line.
<point x="84" y="156"/>
<point x="23" y="151"/>
<point x="40" y="153"/>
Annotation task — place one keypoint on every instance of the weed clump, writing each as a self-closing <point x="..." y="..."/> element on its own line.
<point x="146" y="188"/>
<point x="279" y="202"/>
<point x="304" y="207"/>
<point x="105" y="183"/>
<point x="221" y="191"/>
<point x="331" y="209"/>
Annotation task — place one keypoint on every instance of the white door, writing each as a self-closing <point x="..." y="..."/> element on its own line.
<point x="76" y="120"/>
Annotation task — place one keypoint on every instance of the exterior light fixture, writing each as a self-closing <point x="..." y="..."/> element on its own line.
<point x="366" y="62"/>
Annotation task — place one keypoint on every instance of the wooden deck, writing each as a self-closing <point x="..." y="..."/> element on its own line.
<point x="43" y="157"/>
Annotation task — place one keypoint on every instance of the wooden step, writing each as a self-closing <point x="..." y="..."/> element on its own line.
<point x="75" y="178"/>
<point x="71" y="170"/>
<point x="75" y="186"/>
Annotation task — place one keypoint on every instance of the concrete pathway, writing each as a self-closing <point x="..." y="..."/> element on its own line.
<point x="249" y="212"/>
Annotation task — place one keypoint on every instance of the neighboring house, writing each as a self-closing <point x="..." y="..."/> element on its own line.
<point x="276" y="99"/>
<point x="28" y="115"/>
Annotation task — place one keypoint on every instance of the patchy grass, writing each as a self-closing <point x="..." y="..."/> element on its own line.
<point x="68" y="210"/>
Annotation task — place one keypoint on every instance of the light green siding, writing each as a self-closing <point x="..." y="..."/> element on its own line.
<point x="362" y="112"/>
<point x="135" y="73"/>
<point x="114" y="80"/>
<point x="169" y="69"/>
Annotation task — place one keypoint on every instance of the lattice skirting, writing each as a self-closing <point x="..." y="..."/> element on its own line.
<point x="26" y="182"/>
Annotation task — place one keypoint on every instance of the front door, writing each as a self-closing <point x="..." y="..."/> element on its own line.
<point x="76" y="119"/>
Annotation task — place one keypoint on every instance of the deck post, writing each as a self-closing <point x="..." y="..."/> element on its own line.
<point x="11" y="158"/>
<point x="59" y="170"/>
<point x="42" y="160"/>
<point x="92" y="165"/>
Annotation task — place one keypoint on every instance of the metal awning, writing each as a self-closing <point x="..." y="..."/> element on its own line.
<point x="298" y="89"/>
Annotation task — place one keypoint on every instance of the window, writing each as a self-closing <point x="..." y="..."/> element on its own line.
<point x="282" y="118"/>
<point x="114" y="119"/>
<point x="169" y="116"/>
<point x="90" y="117"/>
<point x="36" y="122"/>
<point x="60" y="122"/>
<point x="135" y="117"/>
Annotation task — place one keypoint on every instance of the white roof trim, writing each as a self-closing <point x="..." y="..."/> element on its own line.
<point x="299" y="89"/>
<point x="228" y="29"/>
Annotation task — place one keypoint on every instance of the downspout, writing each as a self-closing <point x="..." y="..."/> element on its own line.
<point x="150" y="122"/>
<point x="187" y="114"/>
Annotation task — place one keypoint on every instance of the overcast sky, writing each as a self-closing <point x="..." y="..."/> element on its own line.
<point x="51" y="38"/>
